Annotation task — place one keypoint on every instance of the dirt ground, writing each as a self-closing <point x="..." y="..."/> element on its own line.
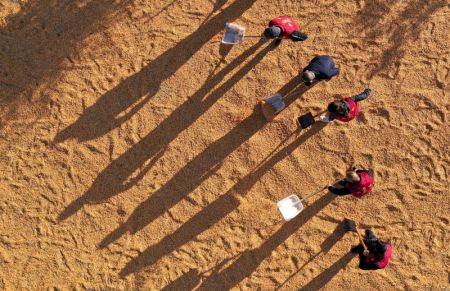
<point x="133" y="156"/>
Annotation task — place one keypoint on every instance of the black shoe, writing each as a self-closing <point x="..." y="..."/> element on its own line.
<point x="299" y="36"/>
<point x="367" y="92"/>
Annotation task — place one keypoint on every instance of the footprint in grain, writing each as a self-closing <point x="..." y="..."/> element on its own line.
<point x="380" y="115"/>
<point x="392" y="208"/>
<point x="121" y="212"/>
<point x="443" y="219"/>
<point x="420" y="195"/>
<point x="294" y="261"/>
<point x="362" y="117"/>
<point x="442" y="73"/>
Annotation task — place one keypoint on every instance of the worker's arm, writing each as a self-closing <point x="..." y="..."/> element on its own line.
<point x="339" y="191"/>
<point x="298" y="36"/>
<point x="362" y="95"/>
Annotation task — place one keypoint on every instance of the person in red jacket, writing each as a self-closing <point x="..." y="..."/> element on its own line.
<point x="346" y="109"/>
<point x="284" y="27"/>
<point x="357" y="182"/>
<point x="379" y="255"/>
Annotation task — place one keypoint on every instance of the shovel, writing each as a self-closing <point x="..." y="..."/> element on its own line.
<point x="350" y="225"/>
<point x="291" y="206"/>
<point x="306" y="120"/>
<point x="234" y="34"/>
<point x="272" y="105"/>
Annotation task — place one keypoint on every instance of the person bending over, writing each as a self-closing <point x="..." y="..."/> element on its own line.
<point x="345" y="109"/>
<point x="379" y="255"/>
<point x="319" y="68"/>
<point x="357" y="182"/>
<point x="284" y="27"/>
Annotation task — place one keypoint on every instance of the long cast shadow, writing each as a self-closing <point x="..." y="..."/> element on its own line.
<point x="115" y="178"/>
<point x="188" y="178"/>
<point x="208" y="216"/>
<point x="320" y="281"/>
<point x="217" y="4"/>
<point x="188" y="281"/>
<point x="192" y="278"/>
<point x="239" y="134"/>
<point x="325" y="247"/>
<point x="249" y="261"/>
<point x="105" y="114"/>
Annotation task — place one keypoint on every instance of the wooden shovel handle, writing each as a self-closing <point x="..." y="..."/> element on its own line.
<point x="312" y="194"/>
<point x="361" y="240"/>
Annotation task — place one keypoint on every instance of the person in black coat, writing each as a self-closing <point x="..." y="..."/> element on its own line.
<point x="379" y="252"/>
<point x="320" y="68"/>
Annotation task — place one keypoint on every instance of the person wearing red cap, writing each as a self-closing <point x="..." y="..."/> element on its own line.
<point x="379" y="255"/>
<point x="345" y="109"/>
<point x="357" y="182"/>
<point x="284" y="27"/>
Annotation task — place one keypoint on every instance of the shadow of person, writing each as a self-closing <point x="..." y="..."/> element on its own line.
<point x="217" y="4"/>
<point x="116" y="177"/>
<point x="320" y="281"/>
<point x="207" y="217"/>
<point x="249" y="261"/>
<point x="225" y="204"/>
<point x="192" y="278"/>
<point x="134" y="92"/>
<point x="188" y="178"/>
<point x="337" y="235"/>
<point x="37" y="42"/>
<point x="297" y="92"/>
<point x="294" y="90"/>
<point x="188" y="281"/>
<point x="224" y="50"/>
<point x="325" y="247"/>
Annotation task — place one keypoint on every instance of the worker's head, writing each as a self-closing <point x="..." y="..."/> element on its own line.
<point x="352" y="177"/>
<point x="337" y="107"/>
<point x="272" y="32"/>
<point x="370" y="236"/>
<point x="308" y="76"/>
<point x="377" y="248"/>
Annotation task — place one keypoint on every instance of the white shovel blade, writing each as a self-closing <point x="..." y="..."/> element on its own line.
<point x="233" y="34"/>
<point x="290" y="207"/>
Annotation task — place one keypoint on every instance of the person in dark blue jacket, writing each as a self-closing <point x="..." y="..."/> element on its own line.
<point x="320" y="68"/>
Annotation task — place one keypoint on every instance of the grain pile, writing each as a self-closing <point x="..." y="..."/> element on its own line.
<point x="132" y="157"/>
